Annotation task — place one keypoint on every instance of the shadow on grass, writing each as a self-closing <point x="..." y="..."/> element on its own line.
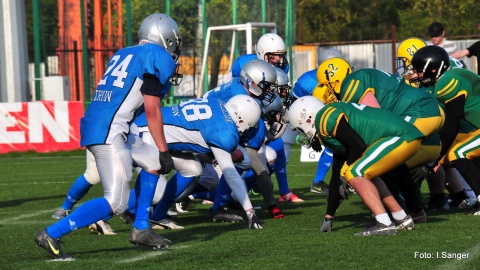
<point x="14" y="203"/>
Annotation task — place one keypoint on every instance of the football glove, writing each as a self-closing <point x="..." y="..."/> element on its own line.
<point x="166" y="163"/>
<point x="419" y="173"/>
<point x="253" y="221"/>
<point x="327" y="225"/>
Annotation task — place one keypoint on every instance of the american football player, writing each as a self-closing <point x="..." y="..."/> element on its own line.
<point x="346" y="129"/>
<point x="457" y="90"/>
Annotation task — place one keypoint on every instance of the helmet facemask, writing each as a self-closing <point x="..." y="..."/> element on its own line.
<point x="330" y="75"/>
<point x="281" y="64"/>
<point x="404" y="67"/>
<point x="176" y="78"/>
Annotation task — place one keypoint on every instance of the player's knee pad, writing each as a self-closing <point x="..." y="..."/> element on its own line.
<point x="118" y="202"/>
<point x="91" y="172"/>
<point x="187" y="164"/>
<point x="144" y="155"/>
<point x="160" y="189"/>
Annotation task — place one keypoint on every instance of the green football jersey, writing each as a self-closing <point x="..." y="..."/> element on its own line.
<point x="391" y="92"/>
<point x="370" y="123"/>
<point x="456" y="82"/>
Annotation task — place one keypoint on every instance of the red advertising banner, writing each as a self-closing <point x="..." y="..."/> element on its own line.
<point x="41" y="126"/>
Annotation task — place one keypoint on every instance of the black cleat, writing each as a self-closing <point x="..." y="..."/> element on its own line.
<point x="51" y="245"/>
<point x="224" y="215"/>
<point x="379" y="229"/>
<point x="148" y="238"/>
<point x="127" y="217"/>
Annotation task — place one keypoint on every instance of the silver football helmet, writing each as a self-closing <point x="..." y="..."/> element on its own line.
<point x="244" y="111"/>
<point x="301" y="117"/>
<point x="258" y="76"/>
<point x="283" y="88"/>
<point x="272" y="113"/>
<point x="162" y="30"/>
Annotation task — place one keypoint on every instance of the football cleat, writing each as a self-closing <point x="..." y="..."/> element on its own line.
<point x="420" y="217"/>
<point x="319" y="188"/>
<point x="379" y="229"/>
<point x="102" y="227"/>
<point x="165" y="224"/>
<point x="60" y="213"/>
<point x="437" y="204"/>
<point x="51" y="245"/>
<point x="224" y="215"/>
<point x="127" y="217"/>
<point x="181" y="207"/>
<point x="148" y="238"/>
<point x="406" y="223"/>
<point x="468" y="203"/>
<point x="290" y="197"/>
<point x="275" y="211"/>
<point x="474" y="210"/>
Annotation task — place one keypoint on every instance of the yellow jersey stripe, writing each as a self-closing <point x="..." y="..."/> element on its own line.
<point x="324" y="121"/>
<point x="448" y="88"/>
<point x="351" y="89"/>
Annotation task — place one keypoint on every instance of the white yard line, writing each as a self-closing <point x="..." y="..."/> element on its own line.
<point x="151" y="254"/>
<point x="7" y="221"/>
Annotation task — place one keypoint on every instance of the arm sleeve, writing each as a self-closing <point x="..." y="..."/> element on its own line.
<point x="453" y="114"/>
<point x="351" y="140"/>
<point x="151" y="85"/>
<point x="334" y="198"/>
<point x="234" y="181"/>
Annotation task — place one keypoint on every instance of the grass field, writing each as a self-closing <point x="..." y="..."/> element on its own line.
<point x="34" y="185"/>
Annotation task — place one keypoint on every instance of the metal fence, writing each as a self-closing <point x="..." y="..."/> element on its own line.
<point x="364" y="55"/>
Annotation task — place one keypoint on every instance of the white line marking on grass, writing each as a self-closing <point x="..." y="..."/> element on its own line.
<point x="37" y="213"/>
<point x="473" y="254"/>
<point x="35" y="183"/>
<point x="151" y="254"/>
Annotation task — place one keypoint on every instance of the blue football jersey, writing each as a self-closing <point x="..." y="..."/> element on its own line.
<point x="196" y="125"/>
<point x="226" y="91"/>
<point x="117" y="99"/>
<point x="305" y="84"/>
<point x="238" y="64"/>
<point x="255" y="137"/>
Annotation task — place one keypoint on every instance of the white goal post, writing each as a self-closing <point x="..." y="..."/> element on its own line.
<point x="247" y="27"/>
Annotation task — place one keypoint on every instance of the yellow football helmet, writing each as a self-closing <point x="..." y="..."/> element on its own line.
<point x="405" y="52"/>
<point x="330" y="75"/>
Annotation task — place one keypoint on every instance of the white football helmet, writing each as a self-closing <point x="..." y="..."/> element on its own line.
<point x="273" y="44"/>
<point x="258" y="76"/>
<point x="329" y="53"/>
<point x="162" y="30"/>
<point x="302" y="118"/>
<point x="245" y="112"/>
